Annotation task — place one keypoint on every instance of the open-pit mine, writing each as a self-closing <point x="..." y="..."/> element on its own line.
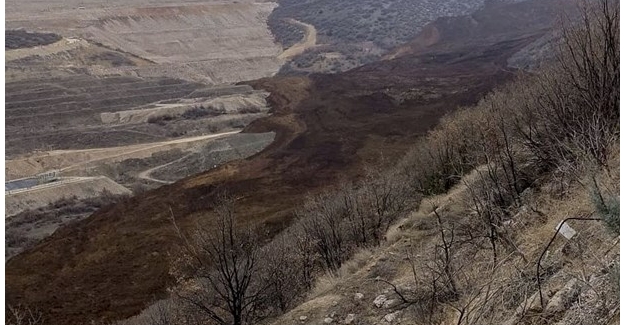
<point x="123" y="115"/>
<point x="119" y="97"/>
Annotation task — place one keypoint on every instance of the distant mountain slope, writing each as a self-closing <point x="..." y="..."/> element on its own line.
<point x="498" y="21"/>
<point x="359" y="30"/>
<point x="385" y="23"/>
<point x="112" y="264"/>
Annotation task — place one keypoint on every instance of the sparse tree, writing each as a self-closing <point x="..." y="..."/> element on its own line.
<point x="386" y="195"/>
<point x="307" y="255"/>
<point x="223" y="265"/>
<point x="321" y="219"/>
<point x="286" y="271"/>
<point x="161" y="313"/>
<point x="570" y="113"/>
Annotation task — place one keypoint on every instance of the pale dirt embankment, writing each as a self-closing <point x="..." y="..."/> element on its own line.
<point x="146" y="173"/>
<point x="209" y="41"/>
<point x="64" y="45"/>
<point x="72" y="160"/>
<point x="40" y="196"/>
<point x="230" y="104"/>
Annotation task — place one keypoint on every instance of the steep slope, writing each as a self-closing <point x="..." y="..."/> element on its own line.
<point x="498" y="21"/>
<point x="112" y="264"/>
<point x="353" y="33"/>
<point x="580" y="286"/>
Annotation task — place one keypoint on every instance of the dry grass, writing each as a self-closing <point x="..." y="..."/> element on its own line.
<point x="590" y="252"/>
<point x="327" y="282"/>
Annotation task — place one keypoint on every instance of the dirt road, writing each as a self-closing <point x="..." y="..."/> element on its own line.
<point x="119" y="151"/>
<point x="146" y="173"/>
<point x="309" y="41"/>
<point x="68" y="160"/>
<point x="64" y="45"/>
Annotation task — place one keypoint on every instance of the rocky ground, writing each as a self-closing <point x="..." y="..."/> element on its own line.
<point x="214" y="154"/>
<point x="381" y="285"/>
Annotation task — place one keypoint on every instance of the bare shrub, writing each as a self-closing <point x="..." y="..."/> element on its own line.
<point x="21" y="315"/>
<point x="222" y="268"/>
<point x="385" y="197"/>
<point x="321" y="219"/>
<point x="162" y="312"/>
<point x="608" y="207"/>
<point x="444" y="279"/>
<point x="571" y="113"/>
<point x="286" y="271"/>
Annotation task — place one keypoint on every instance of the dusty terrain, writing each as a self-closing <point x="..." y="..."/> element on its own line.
<point x="69" y="160"/>
<point x="578" y="287"/>
<point x="42" y="195"/>
<point x="213" y="42"/>
<point x="326" y="128"/>
<point x="108" y="91"/>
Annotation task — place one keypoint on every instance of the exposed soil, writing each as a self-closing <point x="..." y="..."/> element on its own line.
<point x="110" y="265"/>
<point x="212" y="42"/>
<point x="42" y="195"/>
<point x="213" y="154"/>
<point x="72" y="160"/>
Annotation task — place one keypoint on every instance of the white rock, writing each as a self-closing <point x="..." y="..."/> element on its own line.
<point x="388" y="304"/>
<point x="349" y="319"/>
<point x="379" y="300"/>
<point x="358" y="296"/>
<point x="531" y="304"/>
<point x="564" y="297"/>
<point x="303" y="318"/>
<point x="328" y="320"/>
<point x="392" y="317"/>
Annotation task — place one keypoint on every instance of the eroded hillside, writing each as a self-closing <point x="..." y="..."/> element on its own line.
<point x="353" y="33"/>
<point x="327" y="127"/>
<point x="212" y="42"/>
<point x="108" y="95"/>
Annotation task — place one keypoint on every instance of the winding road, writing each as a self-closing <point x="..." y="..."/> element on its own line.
<point x="309" y="41"/>
<point x="146" y="173"/>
